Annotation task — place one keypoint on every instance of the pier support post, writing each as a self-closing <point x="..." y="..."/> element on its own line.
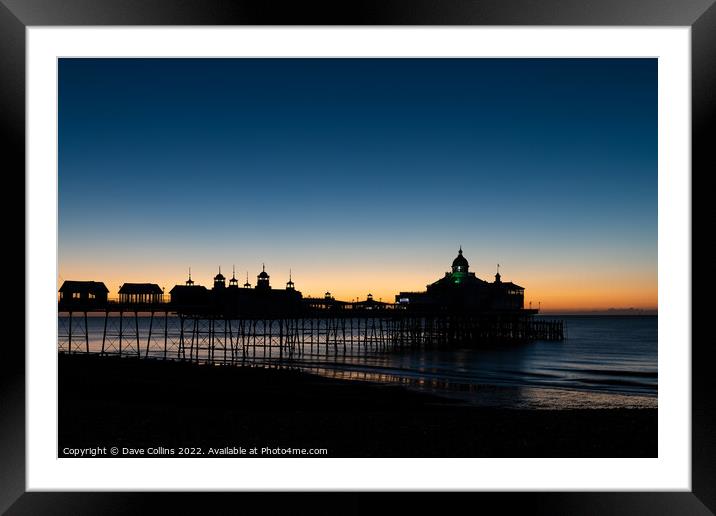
<point x="136" y="328"/>
<point x="104" y="332"/>
<point x="166" y="332"/>
<point x="121" y="321"/>
<point x="69" y="336"/>
<point x="86" y="334"/>
<point x="149" y="336"/>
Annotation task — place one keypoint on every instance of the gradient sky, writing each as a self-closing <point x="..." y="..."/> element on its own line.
<point x="363" y="174"/>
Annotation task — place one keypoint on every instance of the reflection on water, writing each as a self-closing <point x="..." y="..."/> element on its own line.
<point x="605" y="362"/>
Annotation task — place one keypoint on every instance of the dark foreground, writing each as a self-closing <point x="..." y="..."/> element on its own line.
<point x="166" y="408"/>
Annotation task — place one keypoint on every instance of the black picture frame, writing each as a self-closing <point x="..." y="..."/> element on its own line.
<point x="700" y="15"/>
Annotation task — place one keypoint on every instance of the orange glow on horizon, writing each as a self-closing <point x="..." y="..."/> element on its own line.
<point x="554" y="289"/>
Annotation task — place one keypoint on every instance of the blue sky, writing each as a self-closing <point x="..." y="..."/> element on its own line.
<point x="358" y="172"/>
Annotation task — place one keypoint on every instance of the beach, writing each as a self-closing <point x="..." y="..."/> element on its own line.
<point x="145" y="404"/>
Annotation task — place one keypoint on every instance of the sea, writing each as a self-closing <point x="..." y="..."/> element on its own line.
<point x="604" y="362"/>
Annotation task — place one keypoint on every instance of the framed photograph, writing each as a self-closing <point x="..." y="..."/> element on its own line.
<point x="412" y="248"/>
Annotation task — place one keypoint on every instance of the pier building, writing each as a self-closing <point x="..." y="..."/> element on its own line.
<point x="460" y="290"/>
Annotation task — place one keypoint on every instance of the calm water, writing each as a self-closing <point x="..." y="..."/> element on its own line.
<point x="605" y="362"/>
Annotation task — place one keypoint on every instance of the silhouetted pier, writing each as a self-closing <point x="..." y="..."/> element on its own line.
<point x="160" y="331"/>
<point x="263" y="325"/>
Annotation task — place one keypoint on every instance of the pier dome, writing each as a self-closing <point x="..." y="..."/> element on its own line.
<point x="459" y="264"/>
<point x="459" y="268"/>
<point x="262" y="280"/>
<point x="219" y="280"/>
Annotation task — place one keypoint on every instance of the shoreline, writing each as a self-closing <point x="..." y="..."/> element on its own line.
<point x="503" y="396"/>
<point x="127" y="402"/>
